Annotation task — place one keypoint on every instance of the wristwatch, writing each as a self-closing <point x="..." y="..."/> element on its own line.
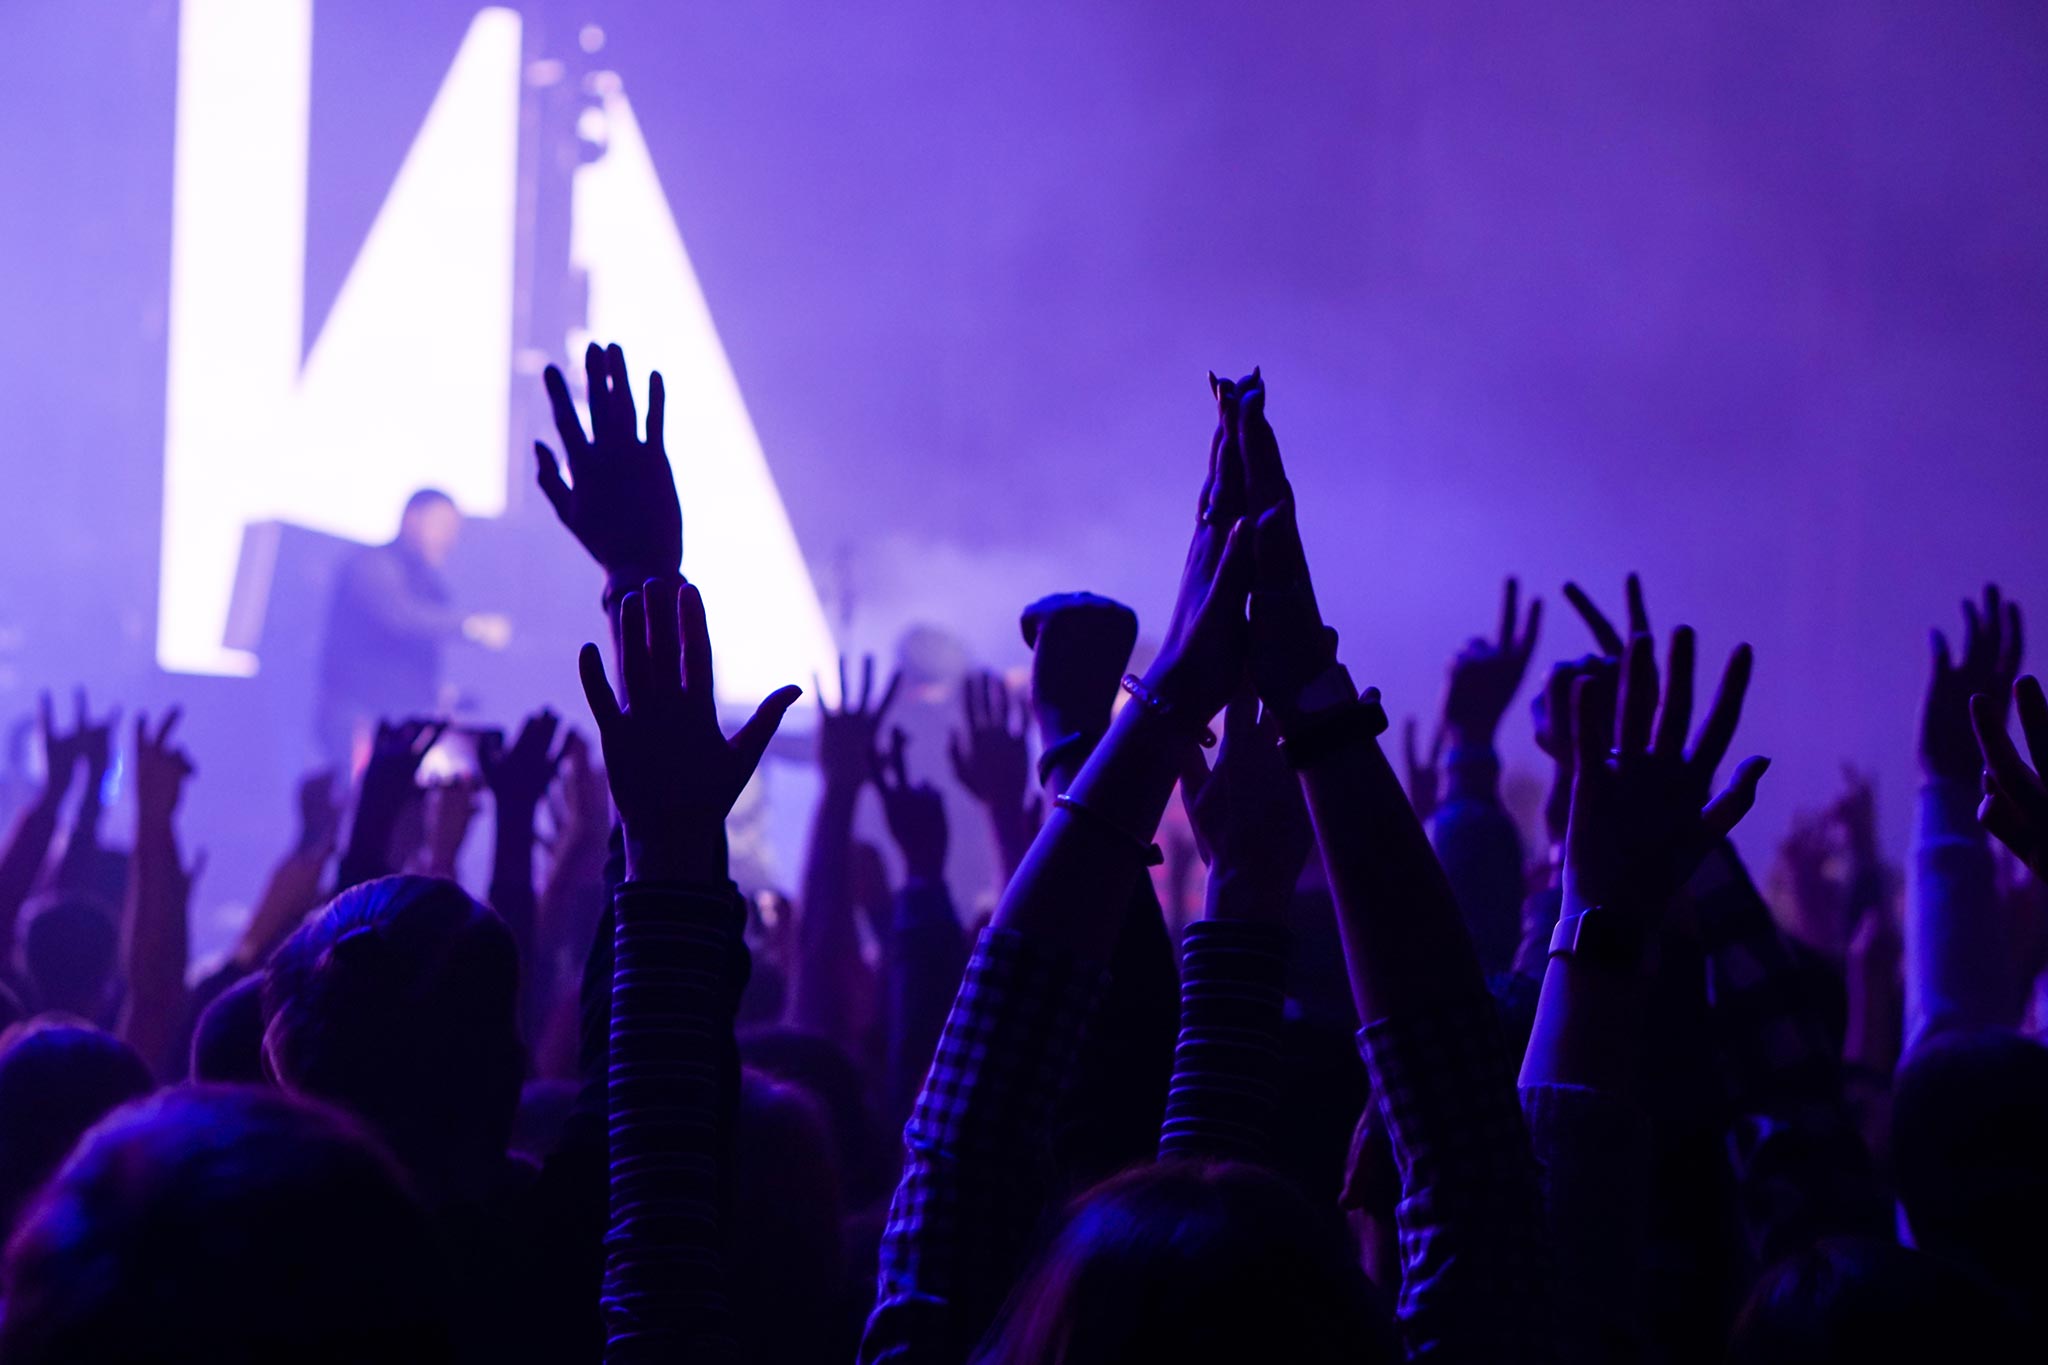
<point x="1601" y="937"/>
<point x="1327" y="713"/>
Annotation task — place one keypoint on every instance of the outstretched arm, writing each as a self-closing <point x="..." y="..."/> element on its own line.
<point x="1473" y="1269"/>
<point x="1958" y="973"/>
<point x="518" y="778"/>
<point x="679" y="965"/>
<point x="387" y="786"/>
<point x="28" y="845"/>
<point x="964" y="1210"/>
<point x="160" y="888"/>
<point x="926" y="952"/>
<point x="830" y="973"/>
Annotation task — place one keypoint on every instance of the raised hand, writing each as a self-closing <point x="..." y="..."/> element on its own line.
<point x="1989" y="663"/>
<point x="1250" y="822"/>
<point x="88" y="742"/>
<point x="520" y="776"/>
<point x="1424" y="772"/>
<point x="161" y="768"/>
<point x="390" y="776"/>
<point x="620" y="498"/>
<point x="1605" y="635"/>
<point x="849" y="737"/>
<point x="1080" y="646"/>
<point x="991" y="755"/>
<point x="1640" y="821"/>
<point x="915" y="811"/>
<point x="674" y="774"/>
<point x="581" y="803"/>
<point x="451" y="809"/>
<point x="1487" y="673"/>
<point x="2015" y="804"/>
<point x="1552" y="709"/>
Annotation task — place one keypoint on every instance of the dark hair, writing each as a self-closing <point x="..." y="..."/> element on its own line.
<point x="1194" y="1262"/>
<point x="399" y="1002"/>
<point x="69" y="950"/>
<point x="225" y="1224"/>
<point x="57" y="1079"/>
<point x="427" y="497"/>
<point x="822" y="1068"/>
<point x="788" y="1250"/>
<point x="227" y="1040"/>
<point x="1855" y="1300"/>
<point x="1970" y="1152"/>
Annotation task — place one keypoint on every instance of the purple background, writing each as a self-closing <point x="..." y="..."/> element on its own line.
<point x="1749" y="297"/>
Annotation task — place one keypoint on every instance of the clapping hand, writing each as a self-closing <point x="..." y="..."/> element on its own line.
<point x="674" y="774"/>
<point x="2015" y="805"/>
<point x="849" y="736"/>
<point x="1989" y="663"/>
<point x="620" y="498"/>
<point x="915" y="811"/>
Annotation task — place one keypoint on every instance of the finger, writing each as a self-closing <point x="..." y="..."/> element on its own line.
<point x="1216" y="438"/>
<point x="664" y="640"/>
<point x="899" y="745"/>
<point x="1973" y="634"/>
<point x="1674" y="721"/>
<point x="698" y="674"/>
<point x="1638" y="614"/>
<point x="568" y="424"/>
<point x="750" y="741"/>
<point x="1508" y="605"/>
<point x="78" y="705"/>
<point x="141" y="731"/>
<point x="845" y="700"/>
<point x="1436" y="744"/>
<point x="635" y="676"/>
<point x="1531" y="631"/>
<point x="597" y="385"/>
<point x="171" y="719"/>
<point x="1265" y="478"/>
<point x="2032" y="705"/>
<point x="1604" y="633"/>
<point x="2015" y="643"/>
<point x="1718" y="732"/>
<point x="1938" y="645"/>
<point x="597" y="689"/>
<point x="1725" y="811"/>
<point x="549" y="474"/>
<point x="626" y="413"/>
<point x="1233" y="581"/>
<point x="888" y="695"/>
<point x="2008" y="769"/>
<point x="1638" y="706"/>
<point x="867" y="680"/>
<point x="1227" y="493"/>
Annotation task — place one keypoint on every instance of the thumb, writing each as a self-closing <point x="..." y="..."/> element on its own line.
<point x="751" y="740"/>
<point x="1725" y="811"/>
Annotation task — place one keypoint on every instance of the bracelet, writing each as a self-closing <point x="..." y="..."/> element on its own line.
<point x="1147" y="850"/>
<point x="1059" y="749"/>
<point x="1164" y="709"/>
<point x="1320" y="735"/>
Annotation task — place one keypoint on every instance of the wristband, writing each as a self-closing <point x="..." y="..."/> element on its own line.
<point x="1315" y="737"/>
<point x="1166" y="710"/>
<point x="1146" y="849"/>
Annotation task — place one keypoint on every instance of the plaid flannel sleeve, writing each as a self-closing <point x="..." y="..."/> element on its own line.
<point x="1801" y="1168"/>
<point x="1474" y="1269"/>
<point x="679" y="964"/>
<point x="976" y="1150"/>
<point x="1226" y="1064"/>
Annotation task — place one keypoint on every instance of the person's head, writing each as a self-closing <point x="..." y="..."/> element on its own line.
<point x="820" y="1066"/>
<point x="430" y="525"/>
<point x="1970" y="1152"/>
<point x="224" y="1224"/>
<point x="69" y="951"/>
<point x="1194" y="1263"/>
<point x="1850" y="1301"/>
<point x="398" y="1002"/>
<point x="57" y="1079"/>
<point x="227" y="1042"/>
<point x="788" y="1245"/>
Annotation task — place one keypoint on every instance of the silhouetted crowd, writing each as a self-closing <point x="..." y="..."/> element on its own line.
<point x="1335" y="1062"/>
